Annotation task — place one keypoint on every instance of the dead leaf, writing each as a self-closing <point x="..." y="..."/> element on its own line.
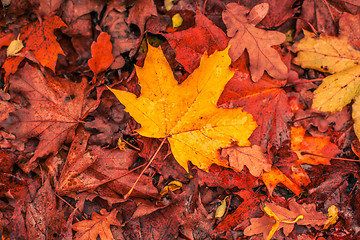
<point x="56" y="106"/>
<point x="99" y="225"/>
<point x="43" y="216"/>
<point x="266" y="100"/>
<point x="187" y="114"/>
<point x="102" y="57"/>
<point x="253" y="157"/>
<point x="280" y="217"/>
<point x="141" y="12"/>
<point x="190" y="44"/>
<point x="257" y="42"/>
<point x="40" y="39"/>
<point x="326" y="53"/>
<point x="274" y="177"/>
<point x="320" y="146"/>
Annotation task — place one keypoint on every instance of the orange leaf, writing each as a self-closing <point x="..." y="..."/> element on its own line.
<point x="102" y="57"/>
<point x="98" y="226"/>
<point x="315" y="145"/>
<point x="275" y="176"/>
<point x="253" y="157"/>
<point x="40" y="39"/>
<point x="187" y="114"/>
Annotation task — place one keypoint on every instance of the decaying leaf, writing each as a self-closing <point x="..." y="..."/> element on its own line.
<point x="56" y="106"/>
<point x="187" y="114"/>
<point x="257" y="42"/>
<point x="99" y="225"/>
<point x="277" y="217"/>
<point x="253" y="157"/>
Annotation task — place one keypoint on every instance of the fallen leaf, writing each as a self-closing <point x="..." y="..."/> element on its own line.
<point x="44" y="218"/>
<point x="242" y="215"/>
<point x="102" y="57"/>
<point x="56" y="106"/>
<point x="321" y="15"/>
<point x="99" y="225"/>
<point x="266" y="100"/>
<point x="274" y="177"/>
<point x="325" y="53"/>
<point x="280" y="217"/>
<point x="187" y="114"/>
<point x="40" y="39"/>
<point x="189" y="45"/>
<point x="320" y="146"/>
<point x="253" y="157"/>
<point x="257" y="42"/>
<point x="335" y="55"/>
<point x="141" y="12"/>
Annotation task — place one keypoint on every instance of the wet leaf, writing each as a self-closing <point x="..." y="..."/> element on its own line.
<point x="187" y="114"/>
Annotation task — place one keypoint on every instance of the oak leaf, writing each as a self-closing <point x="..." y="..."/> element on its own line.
<point x="277" y="217"/>
<point x="56" y="106"/>
<point x="99" y="225"/>
<point x="187" y="114"/>
<point x="253" y="157"/>
<point x="257" y="42"/>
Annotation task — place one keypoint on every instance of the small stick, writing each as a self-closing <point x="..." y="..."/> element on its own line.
<point x="335" y="158"/>
<point x="142" y="172"/>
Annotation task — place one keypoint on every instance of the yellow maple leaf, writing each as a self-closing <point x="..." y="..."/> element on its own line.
<point x="325" y="53"/>
<point x="334" y="55"/>
<point x="186" y="114"/>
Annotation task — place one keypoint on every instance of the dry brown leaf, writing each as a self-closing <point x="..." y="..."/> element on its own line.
<point x="256" y="41"/>
<point x="253" y="157"/>
<point x="99" y="225"/>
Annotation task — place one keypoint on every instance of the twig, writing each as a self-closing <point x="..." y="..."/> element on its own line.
<point x="142" y="172"/>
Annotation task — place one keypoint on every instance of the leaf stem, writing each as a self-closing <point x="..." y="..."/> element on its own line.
<point x="142" y="172"/>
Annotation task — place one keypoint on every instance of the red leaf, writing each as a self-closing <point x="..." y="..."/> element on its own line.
<point x="102" y="57"/>
<point x="190" y="44"/>
<point x="56" y="106"/>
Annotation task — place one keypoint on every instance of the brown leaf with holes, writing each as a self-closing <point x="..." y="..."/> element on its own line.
<point x="55" y="106"/>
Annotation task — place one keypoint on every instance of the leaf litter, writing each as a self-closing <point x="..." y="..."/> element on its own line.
<point x="237" y="125"/>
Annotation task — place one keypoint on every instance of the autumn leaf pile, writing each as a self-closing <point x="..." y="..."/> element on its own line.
<point x="184" y="119"/>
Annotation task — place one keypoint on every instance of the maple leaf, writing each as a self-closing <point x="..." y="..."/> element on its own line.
<point x="253" y="157"/>
<point x="102" y="57"/>
<point x="334" y="55"/>
<point x="99" y="225"/>
<point x="187" y="114"/>
<point x="56" y="106"/>
<point x="93" y="169"/>
<point x="258" y="43"/>
<point x="277" y="217"/>
<point x="266" y="100"/>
